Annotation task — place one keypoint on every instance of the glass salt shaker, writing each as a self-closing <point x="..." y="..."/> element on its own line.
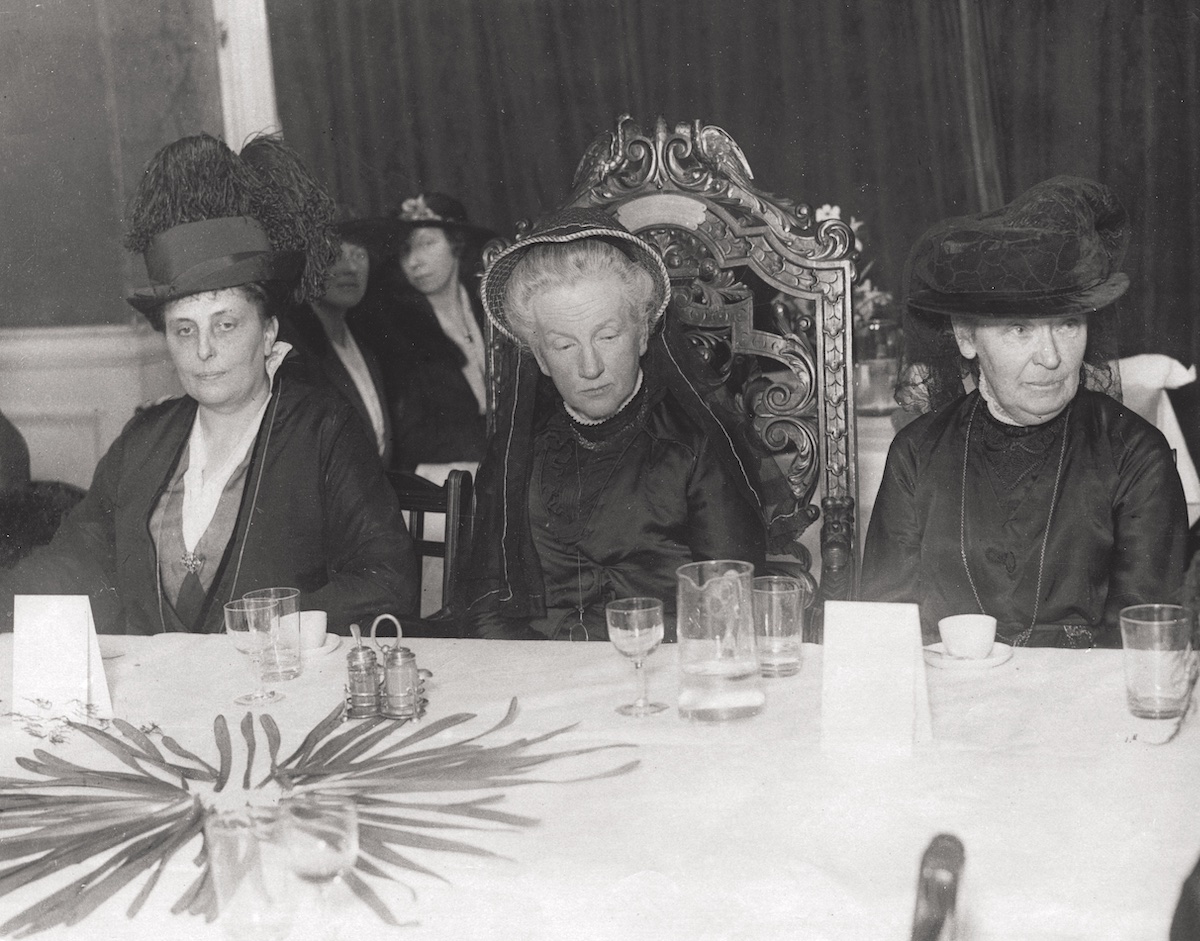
<point x="363" y="683"/>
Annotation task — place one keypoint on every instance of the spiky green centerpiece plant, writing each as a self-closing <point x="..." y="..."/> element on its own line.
<point x="132" y="822"/>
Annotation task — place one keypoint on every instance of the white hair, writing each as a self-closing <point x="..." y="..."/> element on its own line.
<point x="552" y="265"/>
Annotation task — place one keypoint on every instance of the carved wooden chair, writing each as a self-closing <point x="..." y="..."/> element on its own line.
<point x="765" y="293"/>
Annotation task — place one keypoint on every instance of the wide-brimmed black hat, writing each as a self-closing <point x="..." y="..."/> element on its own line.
<point x="572" y="225"/>
<point x="210" y="255"/>
<point x="1053" y="251"/>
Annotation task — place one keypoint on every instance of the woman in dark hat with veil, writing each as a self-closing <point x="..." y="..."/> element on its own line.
<point x="251" y="479"/>
<point x="609" y="468"/>
<point x="1035" y="497"/>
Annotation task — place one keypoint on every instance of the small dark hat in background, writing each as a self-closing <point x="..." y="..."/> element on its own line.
<point x="385" y="235"/>
<point x="1052" y="251"/>
<point x="438" y="210"/>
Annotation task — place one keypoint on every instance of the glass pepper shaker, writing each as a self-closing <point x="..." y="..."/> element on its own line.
<point x="363" y="682"/>
<point x="401" y="684"/>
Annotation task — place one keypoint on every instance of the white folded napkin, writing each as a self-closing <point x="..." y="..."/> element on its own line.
<point x="57" y="670"/>
<point x="873" y="694"/>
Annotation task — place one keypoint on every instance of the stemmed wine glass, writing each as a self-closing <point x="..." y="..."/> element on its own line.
<point x="635" y="627"/>
<point x="249" y="623"/>
<point x="319" y="836"/>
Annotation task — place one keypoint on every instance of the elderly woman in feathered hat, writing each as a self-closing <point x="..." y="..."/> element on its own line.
<point x="251" y="479"/>
<point x="608" y="469"/>
<point x="1028" y="492"/>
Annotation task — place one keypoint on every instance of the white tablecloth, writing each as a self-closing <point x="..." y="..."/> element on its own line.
<point x="1073" y="828"/>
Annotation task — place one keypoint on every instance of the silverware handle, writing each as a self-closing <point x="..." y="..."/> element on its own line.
<point x="937" y="887"/>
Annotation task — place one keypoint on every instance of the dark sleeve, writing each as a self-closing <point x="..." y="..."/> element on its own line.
<point x="1149" y="529"/>
<point x="892" y="553"/>
<point x="372" y="569"/>
<point x="80" y="559"/>
<point x="721" y="524"/>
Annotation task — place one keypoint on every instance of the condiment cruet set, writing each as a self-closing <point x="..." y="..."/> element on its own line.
<point x="393" y="688"/>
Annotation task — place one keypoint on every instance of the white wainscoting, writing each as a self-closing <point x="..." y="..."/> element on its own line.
<point x="70" y="390"/>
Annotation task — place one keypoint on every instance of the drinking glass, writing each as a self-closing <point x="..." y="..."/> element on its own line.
<point x="250" y="624"/>
<point x="1159" y="662"/>
<point x="635" y="627"/>
<point x="779" y="603"/>
<point x="319" y="836"/>
<point x="281" y="658"/>
<point x="255" y="890"/>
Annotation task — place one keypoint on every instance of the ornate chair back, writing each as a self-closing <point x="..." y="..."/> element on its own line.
<point x="764" y="292"/>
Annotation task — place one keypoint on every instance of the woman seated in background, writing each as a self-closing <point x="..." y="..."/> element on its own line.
<point x="329" y="349"/>
<point x="1035" y="497"/>
<point x="249" y="480"/>
<point x="607" y="470"/>
<point x="428" y="323"/>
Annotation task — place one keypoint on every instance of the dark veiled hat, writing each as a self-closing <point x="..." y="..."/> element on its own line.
<point x="1053" y="251"/>
<point x="572" y="225"/>
<point x="210" y="255"/>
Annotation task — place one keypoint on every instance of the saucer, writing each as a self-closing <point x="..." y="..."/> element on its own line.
<point x="936" y="656"/>
<point x="332" y="643"/>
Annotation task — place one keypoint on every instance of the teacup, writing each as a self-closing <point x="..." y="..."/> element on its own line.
<point x="312" y="629"/>
<point x="968" y="636"/>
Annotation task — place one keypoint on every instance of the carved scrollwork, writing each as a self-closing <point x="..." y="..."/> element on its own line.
<point x="704" y="161"/>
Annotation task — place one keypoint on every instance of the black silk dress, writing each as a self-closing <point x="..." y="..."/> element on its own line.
<point x="960" y="526"/>
<point x="572" y="516"/>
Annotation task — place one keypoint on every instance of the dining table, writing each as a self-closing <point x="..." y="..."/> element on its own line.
<point x="1078" y="820"/>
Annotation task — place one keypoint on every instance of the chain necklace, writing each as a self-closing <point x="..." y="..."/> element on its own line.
<point x="1023" y="638"/>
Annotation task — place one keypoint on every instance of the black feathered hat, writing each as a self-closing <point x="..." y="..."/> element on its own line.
<point x="205" y="218"/>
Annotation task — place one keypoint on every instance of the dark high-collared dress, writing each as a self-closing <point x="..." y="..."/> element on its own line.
<point x="960" y="521"/>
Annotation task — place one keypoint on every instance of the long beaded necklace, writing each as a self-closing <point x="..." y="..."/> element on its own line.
<point x="1023" y="638"/>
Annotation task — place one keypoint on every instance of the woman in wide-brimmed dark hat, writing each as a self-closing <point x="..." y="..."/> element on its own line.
<point x="609" y="468"/>
<point x="425" y="314"/>
<point x="251" y="479"/>
<point x="1027" y="491"/>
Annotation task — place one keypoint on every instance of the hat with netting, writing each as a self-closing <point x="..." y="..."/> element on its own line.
<point x="1053" y="251"/>
<point x="572" y="225"/>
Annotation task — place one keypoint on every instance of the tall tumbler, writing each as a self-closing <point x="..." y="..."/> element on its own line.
<point x="1159" y="661"/>
<point x="715" y="622"/>
<point x="282" y="657"/>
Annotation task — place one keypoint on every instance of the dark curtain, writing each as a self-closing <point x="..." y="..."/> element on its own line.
<point x="851" y="104"/>
<point x="902" y="112"/>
